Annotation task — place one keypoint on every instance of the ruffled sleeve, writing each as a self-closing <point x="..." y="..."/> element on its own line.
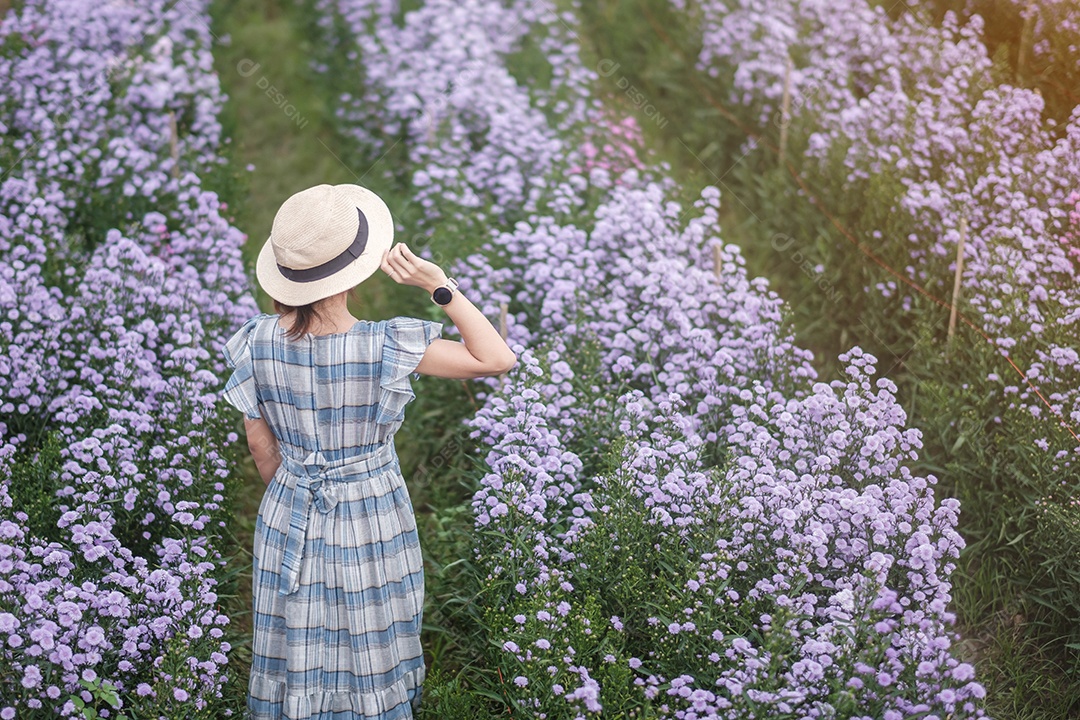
<point x="404" y="344"/>
<point x="240" y="390"/>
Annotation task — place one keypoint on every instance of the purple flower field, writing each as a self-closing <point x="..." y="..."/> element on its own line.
<point x="119" y="278"/>
<point x="676" y="513"/>
<point x="673" y="515"/>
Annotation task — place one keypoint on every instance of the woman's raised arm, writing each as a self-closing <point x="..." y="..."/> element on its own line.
<point x="483" y="351"/>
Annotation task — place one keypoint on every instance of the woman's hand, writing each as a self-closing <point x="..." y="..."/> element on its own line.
<point x="405" y="268"/>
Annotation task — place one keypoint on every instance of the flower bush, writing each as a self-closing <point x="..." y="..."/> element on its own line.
<point x="118" y="277"/>
<point x="674" y="514"/>
<point x="965" y="153"/>
<point x="799" y="471"/>
<point x="941" y="132"/>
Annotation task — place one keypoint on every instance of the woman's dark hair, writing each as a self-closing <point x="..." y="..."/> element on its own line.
<point x="305" y="315"/>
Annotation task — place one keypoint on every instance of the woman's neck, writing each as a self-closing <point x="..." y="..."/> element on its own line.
<point x="333" y="317"/>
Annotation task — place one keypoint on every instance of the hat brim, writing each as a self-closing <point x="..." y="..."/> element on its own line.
<point x="380" y="238"/>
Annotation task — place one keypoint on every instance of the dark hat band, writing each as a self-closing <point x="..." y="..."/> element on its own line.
<point x="334" y="264"/>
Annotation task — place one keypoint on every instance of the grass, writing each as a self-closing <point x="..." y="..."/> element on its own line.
<point x="1008" y="660"/>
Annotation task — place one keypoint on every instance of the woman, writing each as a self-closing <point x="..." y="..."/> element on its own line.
<point x="338" y="586"/>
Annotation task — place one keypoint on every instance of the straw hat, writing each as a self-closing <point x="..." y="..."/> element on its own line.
<point x="324" y="240"/>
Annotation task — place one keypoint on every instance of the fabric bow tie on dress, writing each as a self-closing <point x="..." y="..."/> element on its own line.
<point x="324" y="501"/>
<point x="308" y="490"/>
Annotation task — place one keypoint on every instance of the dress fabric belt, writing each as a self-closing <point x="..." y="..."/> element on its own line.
<point x="308" y="491"/>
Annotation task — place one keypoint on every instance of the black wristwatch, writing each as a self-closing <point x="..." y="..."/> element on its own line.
<point x="443" y="294"/>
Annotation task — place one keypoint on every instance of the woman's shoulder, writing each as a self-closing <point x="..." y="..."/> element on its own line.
<point x="237" y="349"/>
<point x="261" y="321"/>
<point x="257" y="328"/>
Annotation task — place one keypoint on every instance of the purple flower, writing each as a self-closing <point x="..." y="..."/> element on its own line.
<point x="963" y="672"/>
<point x="31" y="677"/>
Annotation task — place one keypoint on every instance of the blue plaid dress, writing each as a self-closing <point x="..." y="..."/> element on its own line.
<point x="338" y="586"/>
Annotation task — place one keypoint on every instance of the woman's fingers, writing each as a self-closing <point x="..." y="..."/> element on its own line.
<point x="406" y="257"/>
<point x="386" y="266"/>
<point x="400" y="269"/>
<point x="409" y="257"/>
<point x="392" y="267"/>
<point x="417" y="263"/>
<point x="400" y="263"/>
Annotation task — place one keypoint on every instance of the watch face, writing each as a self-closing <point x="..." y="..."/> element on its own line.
<point x="442" y="295"/>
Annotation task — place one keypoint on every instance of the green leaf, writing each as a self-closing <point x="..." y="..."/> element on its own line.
<point x="110" y="696"/>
